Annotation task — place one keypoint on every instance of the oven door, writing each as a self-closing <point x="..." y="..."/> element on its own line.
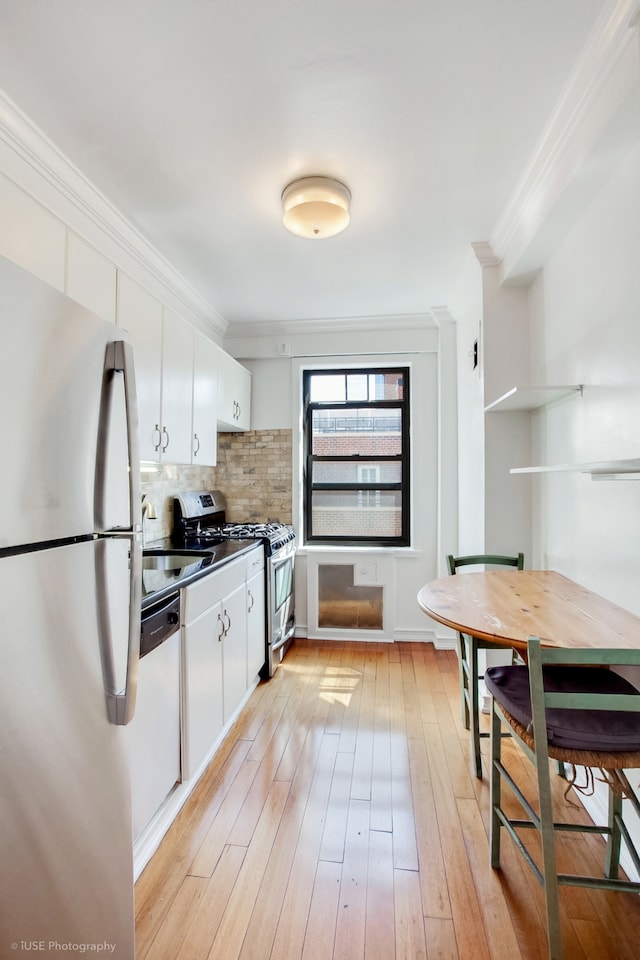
<point x="281" y="613"/>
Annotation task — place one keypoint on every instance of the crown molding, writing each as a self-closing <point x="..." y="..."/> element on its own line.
<point x="413" y="321"/>
<point x="38" y="166"/>
<point x="485" y="255"/>
<point x="592" y="129"/>
<point x="441" y="316"/>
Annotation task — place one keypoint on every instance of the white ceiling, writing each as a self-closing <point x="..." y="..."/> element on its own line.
<point x="191" y="116"/>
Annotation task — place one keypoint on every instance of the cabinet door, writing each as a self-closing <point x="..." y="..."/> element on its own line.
<point x="31" y="236"/>
<point x="140" y="315"/>
<point x="256" y="654"/>
<point x="152" y="739"/>
<point x="234" y="394"/>
<point x="177" y="386"/>
<point x="234" y="649"/>
<point x="202" y="688"/>
<point x="205" y="401"/>
<point x="243" y="398"/>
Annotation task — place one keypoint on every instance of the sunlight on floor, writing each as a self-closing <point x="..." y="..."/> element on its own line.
<point x="338" y="684"/>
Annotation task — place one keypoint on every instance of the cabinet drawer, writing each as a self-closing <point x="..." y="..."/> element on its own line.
<point x="207" y="592"/>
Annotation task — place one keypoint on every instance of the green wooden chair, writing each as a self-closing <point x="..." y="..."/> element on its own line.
<point x="468" y="654"/>
<point x="562" y="706"/>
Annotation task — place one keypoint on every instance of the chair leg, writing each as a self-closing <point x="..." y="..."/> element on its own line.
<point x="612" y="854"/>
<point x="549" y="868"/>
<point x="464" y="671"/>
<point x="474" y="710"/>
<point x="495" y="786"/>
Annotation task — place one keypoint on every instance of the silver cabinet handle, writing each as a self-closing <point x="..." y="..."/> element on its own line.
<point x="156" y="429"/>
<point x="197" y="440"/>
<point x="120" y="703"/>
<point x="250" y="595"/>
<point x="222" y="630"/>
<point x="166" y="434"/>
<point x="228" y="627"/>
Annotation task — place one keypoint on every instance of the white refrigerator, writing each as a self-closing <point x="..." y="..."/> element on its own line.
<point x="70" y="568"/>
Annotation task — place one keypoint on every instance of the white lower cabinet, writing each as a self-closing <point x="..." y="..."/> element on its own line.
<point x="152" y="739"/>
<point x="202" y="688"/>
<point x="216" y="624"/>
<point x="234" y="649"/>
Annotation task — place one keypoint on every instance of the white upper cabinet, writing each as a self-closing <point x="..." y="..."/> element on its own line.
<point x="177" y="389"/>
<point x="91" y="278"/>
<point x="176" y="379"/>
<point x="234" y="394"/>
<point x="163" y="352"/>
<point x="140" y="315"/>
<point x="31" y="236"/>
<point x="205" y="401"/>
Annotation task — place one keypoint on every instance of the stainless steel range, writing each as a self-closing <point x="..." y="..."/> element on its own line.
<point x="201" y="518"/>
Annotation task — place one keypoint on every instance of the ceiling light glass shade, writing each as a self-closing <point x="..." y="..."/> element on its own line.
<point x="315" y="207"/>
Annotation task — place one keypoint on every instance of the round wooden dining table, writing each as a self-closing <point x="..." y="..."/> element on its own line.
<point x="507" y="607"/>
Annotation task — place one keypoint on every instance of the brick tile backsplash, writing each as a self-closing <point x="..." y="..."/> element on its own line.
<point x="253" y="471"/>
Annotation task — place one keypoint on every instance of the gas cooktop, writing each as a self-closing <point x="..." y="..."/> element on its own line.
<point x="200" y="518"/>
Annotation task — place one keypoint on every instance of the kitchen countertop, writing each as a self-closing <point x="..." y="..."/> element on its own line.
<point x="157" y="584"/>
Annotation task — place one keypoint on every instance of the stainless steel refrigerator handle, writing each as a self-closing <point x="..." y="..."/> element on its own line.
<point x="123" y="362"/>
<point x="121" y="703"/>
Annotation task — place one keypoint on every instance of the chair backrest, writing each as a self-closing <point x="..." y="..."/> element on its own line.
<point x="584" y="690"/>
<point x="485" y="559"/>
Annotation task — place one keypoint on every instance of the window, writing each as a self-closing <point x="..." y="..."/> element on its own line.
<point x="356" y="437"/>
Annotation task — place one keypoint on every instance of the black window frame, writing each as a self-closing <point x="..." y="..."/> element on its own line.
<point x="404" y="458"/>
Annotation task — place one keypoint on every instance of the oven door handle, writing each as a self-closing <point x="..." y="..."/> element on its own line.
<point x="281" y="642"/>
<point x="286" y="634"/>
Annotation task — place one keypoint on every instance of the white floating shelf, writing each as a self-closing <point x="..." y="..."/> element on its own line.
<point x="530" y="398"/>
<point x="599" y="469"/>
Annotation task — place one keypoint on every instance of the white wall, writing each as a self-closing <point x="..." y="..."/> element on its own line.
<point x="585" y="328"/>
<point x="466" y="308"/>
<point x="270" y="393"/>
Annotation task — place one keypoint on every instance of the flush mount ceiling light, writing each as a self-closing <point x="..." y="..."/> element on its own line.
<point x="315" y="207"/>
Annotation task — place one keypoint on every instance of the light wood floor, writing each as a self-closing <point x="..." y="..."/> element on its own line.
<point x="340" y="821"/>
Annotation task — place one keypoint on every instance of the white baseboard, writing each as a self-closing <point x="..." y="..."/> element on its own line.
<point x="399" y="636"/>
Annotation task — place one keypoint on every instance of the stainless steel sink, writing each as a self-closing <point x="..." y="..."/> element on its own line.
<point x="172" y="559"/>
